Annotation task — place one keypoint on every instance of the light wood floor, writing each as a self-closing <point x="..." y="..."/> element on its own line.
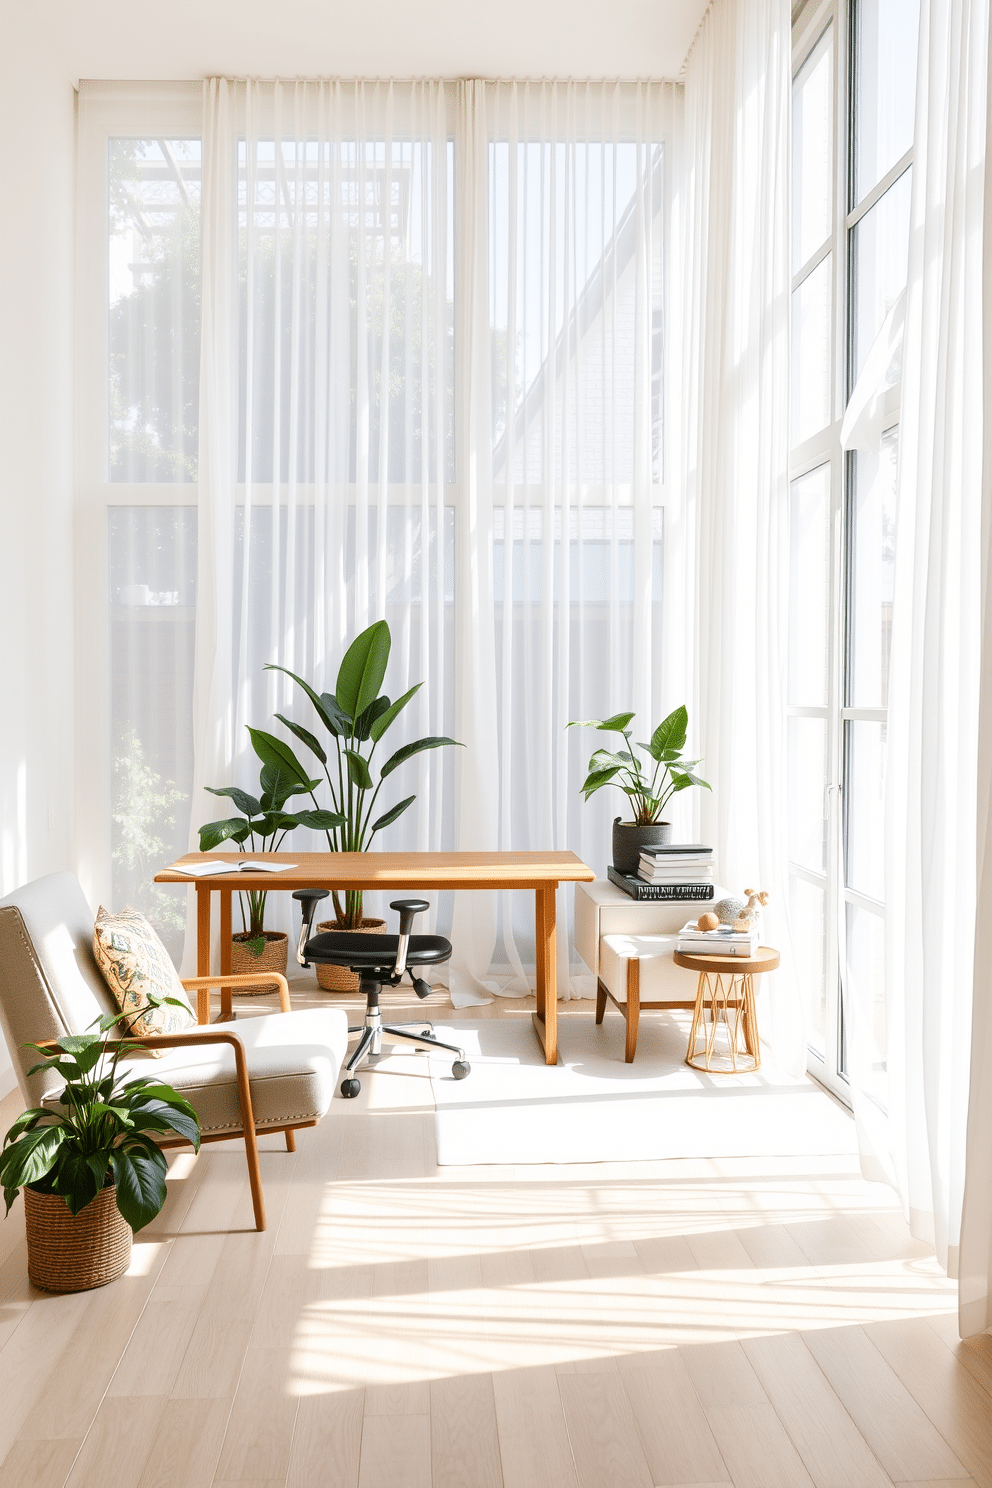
<point x="400" y="1325"/>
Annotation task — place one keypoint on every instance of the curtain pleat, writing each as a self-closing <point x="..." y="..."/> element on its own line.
<point x="734" y="522"/>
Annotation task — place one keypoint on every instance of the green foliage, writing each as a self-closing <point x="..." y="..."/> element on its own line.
<point x="648" y="793"/>
<point x="356" y="715"/>
<point x="104" y="1125"/>
<point x="144" y="807"/>
<point x="264" y="822"/>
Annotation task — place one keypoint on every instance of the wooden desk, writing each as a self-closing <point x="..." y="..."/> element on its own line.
<point x="539" y="873"/>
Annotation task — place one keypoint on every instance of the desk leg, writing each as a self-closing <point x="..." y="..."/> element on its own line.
<point x="226" y="1011"/>
<point x="203" y="950"/>
<point x="546" y="1017"/>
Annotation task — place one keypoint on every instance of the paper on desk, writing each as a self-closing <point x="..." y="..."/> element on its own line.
<point x="202" y="870"/>
<point x="253" y="865"/>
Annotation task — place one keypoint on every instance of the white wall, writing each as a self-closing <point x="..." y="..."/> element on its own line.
<point x="36" y="681"/>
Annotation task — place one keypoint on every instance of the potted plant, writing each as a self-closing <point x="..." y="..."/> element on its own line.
<point x="648" y="789"/>
<point x="264" y="826"/>
<point x="90" y="1167"/>
<point x="356" y="717"/>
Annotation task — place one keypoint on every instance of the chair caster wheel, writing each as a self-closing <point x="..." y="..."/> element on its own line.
<point x="461" y="1068"/>
<point x="427" y="1032"/>
<point x="350" y="1088"/>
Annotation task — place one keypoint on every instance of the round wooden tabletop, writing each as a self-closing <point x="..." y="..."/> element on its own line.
<point x="764" y="959"/>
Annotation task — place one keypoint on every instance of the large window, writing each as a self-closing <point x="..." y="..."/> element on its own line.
<point x="345" y="375"/>
<point x="853" y="110"/>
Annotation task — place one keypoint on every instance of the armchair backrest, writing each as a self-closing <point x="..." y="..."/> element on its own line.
<point x="50" y="983"/>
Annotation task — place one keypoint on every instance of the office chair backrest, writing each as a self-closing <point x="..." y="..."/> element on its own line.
<point x="50" y="983"/>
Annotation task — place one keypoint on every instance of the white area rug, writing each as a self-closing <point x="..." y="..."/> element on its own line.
<point x="592" y="1107"/>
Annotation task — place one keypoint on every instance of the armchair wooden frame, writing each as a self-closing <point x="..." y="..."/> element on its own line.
<point x="221" y="1035"/>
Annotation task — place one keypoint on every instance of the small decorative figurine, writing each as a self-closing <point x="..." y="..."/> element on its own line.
<point x="739" y="914"/>
<point x="707" y="921"/>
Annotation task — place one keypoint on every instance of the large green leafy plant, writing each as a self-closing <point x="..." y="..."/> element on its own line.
<point x="356" y="717"/>
<point x="103" y="1128"/>
<point x="648" y="787"/>
<point x="265" y="821"/>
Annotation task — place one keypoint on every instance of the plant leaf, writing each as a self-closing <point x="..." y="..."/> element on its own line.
<point x="670" y="733"/>
<point x="276" y="752"/>
<point x="597" y="778"/>
<point x="139" y="1178"/>
<point x="358" y="770"/>
<point x="391" y="816"/>
<point x="31" y="1156"/>
<point x="382" y="723"/>
<point x="255" y="946"/>
<point x="80" y="1177"/>
<point x="364" y="721"/>
<point x="363" y="669"/>
<point x="214" y="833"/>
<point x="326" y="705"/>
<point x="433" y="741"/>
<point x="320" y="821"/>
<point x="305" y="737"/>
<point x="241" y="799"/>
<point x="169" y="1117"/>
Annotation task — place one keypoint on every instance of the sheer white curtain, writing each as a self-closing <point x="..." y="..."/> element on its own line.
<point x="326" y="419"/>
<point x="932" y="786"/>
<point x="934" y="669"/>
<point x="562" y="270"/>
<point x="735" y="451"/>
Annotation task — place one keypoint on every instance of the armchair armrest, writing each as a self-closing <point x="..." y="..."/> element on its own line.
<point x="235" y="979"/>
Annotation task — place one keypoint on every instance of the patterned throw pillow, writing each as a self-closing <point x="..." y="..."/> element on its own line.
<point x="134" y="962"/>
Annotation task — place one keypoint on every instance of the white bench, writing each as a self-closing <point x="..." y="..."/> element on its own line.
<point x="628" y="945"/>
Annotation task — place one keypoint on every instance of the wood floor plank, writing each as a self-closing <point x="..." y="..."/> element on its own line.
<point x="833" y="1450"/>
<point x="155" y="1350"/>
<point x="187" y="1444"/>
<point x="327" y="1440"/>
<point x="756" y="1448"/>
<point x="27" y="1361"/>
<point x="112" y="1457"/>
<point x="898" y="1431"/>
<point x="260" y="1428"/>
<point x="533" y="1437"/>
<point x="722" y="1375"/>
<point x="464" y="1433"/>
<point x="212" y="1363"/>
<point x="606" y="1448"/>
<point x="38" y="1464"/>
<point x="955" y="1402"/>
<point x="396" y="1452"/>
<point x="671" y="1423"/>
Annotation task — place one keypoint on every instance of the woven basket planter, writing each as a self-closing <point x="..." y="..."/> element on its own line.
<point x="273" y="958"/>
<point x="339" y="978"/>
<point x="74" y="1252"/>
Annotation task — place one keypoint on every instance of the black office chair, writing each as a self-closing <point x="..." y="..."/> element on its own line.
<point x="380" y="961"/>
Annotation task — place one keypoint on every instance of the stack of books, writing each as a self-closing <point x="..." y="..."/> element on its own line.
<point x="682" y="871"/>
<point x="723" y="942"/>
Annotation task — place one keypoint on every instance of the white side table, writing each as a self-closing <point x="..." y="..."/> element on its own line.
<point x="628" y="945"/>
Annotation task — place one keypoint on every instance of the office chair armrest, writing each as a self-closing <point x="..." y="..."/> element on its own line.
<point x="408" y="909"/>
<point x="309" y="899"/>
<point x="202" y="986"/>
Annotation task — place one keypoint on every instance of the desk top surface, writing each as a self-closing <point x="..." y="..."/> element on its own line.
<point x="371" y="870"/>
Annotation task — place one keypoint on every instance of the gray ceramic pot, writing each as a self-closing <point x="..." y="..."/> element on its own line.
<point x="629" y="839"/>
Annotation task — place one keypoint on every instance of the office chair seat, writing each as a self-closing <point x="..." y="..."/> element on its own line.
<point x="374" y="952"/>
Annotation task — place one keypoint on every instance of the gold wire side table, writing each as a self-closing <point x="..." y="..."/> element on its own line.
<point x="725" y="995"/>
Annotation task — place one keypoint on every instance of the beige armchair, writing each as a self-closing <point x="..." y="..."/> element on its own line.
<point x="272" y="1073"/>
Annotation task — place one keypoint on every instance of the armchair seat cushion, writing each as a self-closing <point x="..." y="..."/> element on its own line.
<point x="293" y="1062"/>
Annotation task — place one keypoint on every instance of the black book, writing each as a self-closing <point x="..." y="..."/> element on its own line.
<point x="638" y="889"/>
<point x="677" y="850"/>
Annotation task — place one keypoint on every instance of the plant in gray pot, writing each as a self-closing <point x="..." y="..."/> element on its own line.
<point x="648" y="787"/>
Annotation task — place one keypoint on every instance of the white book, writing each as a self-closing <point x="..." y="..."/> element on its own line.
<point x="677" y="875"/>
<point x="245" y="865"/>
<point x="203" y="870"/>
<point x="723" y="947"/>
